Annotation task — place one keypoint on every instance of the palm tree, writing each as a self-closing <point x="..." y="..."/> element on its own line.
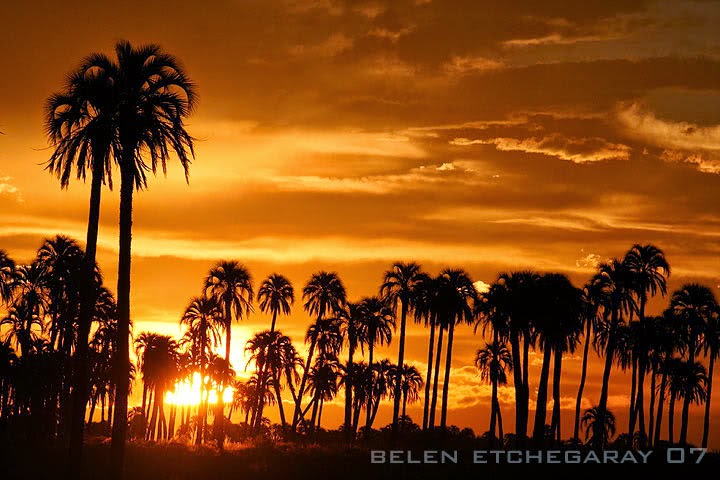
<point x="324" y="293"/>
<point x="666" y="343"/>
<point x="690" y="379"/>
<point x="351" y="323"/>
<point x="230" y="283"/>
<point x="650" y="269"/>
<point x="613" y="282"/>
<point x="322" y="385"/>
<point x="151" y="97"/>
<point x="458" y="297"/>
<point x="493" y="361"/>
<point x="692" y="307"/>
<point x="220" y="374"/>
<point x="712" y="351"/>
<point x="590" y="309"/>
<point x="398" y="287"/>
<point x="410" y="381"/>
<point x="425" y="293"/>
<point x="79" y="125"/>
<point x="158" y="356"/>
<point x="7" y="277"/>
<point x="377" y="324"/>
<point x="599" y="426"/>
<point x="204" y="319"/>
<point x="276" y="295"/>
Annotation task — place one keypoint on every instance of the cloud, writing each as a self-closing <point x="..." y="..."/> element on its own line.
<point x="576" y="150"/>
<point x="481" y="286"/>
<point x="461" y="65"/>
<point x="9" y="190"/>
<point x="591" y="260"/>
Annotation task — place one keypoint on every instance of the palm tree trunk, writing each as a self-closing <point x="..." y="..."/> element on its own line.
<point x="651" y="408"/>
<point x="609" y="356"/>
<point x="81" y="384"/>
<point x="349" y="379"/>
<point x="706" y="421"/>
<point x="301" y="391"/>
<point x="640" y="403"/>
<point x="446" y="383"/>
<point x="433" y="406"/>
<point x="276" y="381"/>
<point x="583" y="376"/>
<point x="171" y="426"/>
<point x="501" y="435"/>
<point x="93" y="401"/>
<point x="228" y="330"/>
<point x="671" y="419"/>
<point x="122" y="355"/>
<point x="520" y="428"/>
<point x="371" y="398"/>
<point x="153" y="419"/>
<point x="320" y="410"/>
<point x="541" y="406"/>
<point x="202" y="406"/>
<point x="401" y="362"/>
<point x="525" y="382"/>
<point x="661" y="400"/>
<point x="557" y="373"/>
<point x="404" y="404"/>
<point x="144" y="398"/>
<point x="493" y="412"/>
<point x="428" y="378"/>
<point x="633" y="393"/>
<point x="684" y="420"/>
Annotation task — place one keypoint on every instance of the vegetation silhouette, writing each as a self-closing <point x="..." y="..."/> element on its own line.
<point x="65" y="344"/>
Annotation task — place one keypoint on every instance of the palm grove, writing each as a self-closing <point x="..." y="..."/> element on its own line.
<point x="62" y="325"/>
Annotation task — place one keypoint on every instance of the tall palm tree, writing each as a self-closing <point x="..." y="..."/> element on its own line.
<point x="151" y="97"/>
<point x="590" y="309"/>
<point x="425" y="293"/>
<point x="613" y="282"/>
<point x="351" y="322"/>
<point x="79" y="125"/>
<point x="230" y="283"/>
<point x="666" y="343"/>
<point x="650" y="269"/>
<point x="377" y="324"/>
<point x="692" y="380"/>
<point x="493" y="361"/>
<point x="557" y="325"/>
<point x="599" y="426"/>
<point x="275" y="295"/>
<point x="712" y="352"/>
<point x="398" y="288"/>
<point x="7" y="277"/>
<point x="323" y="294"/>
<point x="458" y="298"/>
<point x="322" y="385"/>
<point x="203" y="319"/>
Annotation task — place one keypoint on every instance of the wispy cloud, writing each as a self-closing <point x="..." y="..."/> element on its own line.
<point x="8" y="189"/>
<point x="577" y="150"/>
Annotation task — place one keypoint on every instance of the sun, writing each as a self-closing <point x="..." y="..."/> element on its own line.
<point x="187" y="392"/>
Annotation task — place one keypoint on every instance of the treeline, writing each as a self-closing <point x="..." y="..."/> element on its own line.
<point x="521" y="312"/>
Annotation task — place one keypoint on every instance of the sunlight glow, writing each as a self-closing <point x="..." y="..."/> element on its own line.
<point x="187" y="392"/>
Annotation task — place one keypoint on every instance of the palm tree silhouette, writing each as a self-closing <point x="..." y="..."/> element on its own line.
<point x="493" y="361"/>
<point x="665" y="344"/>
<point x="151" y="97"/>
<point x="650" y="270"/>
<point x="590" y="310"/>
<point x="613" y="282"/>
<point x="351" y="322"/>
<point x="322" y="385"/>
<point x="599" y="426"/>
<point x="204" y="319"/>
<point x="158" y="357"/>
<point x="377" y="321"/>
<point x="689" y="382"/>
<point x="230" y="283"/>
<point x="323" y="294"/>
<point x="398" y="287"/>
<point x="457" y="297"/>
<point x="425" y="293"/>
<point x="410" y="381"/>
<point x="712" y="352"/>
<point x="7" y="277"/>
<point x="79" y="125"/>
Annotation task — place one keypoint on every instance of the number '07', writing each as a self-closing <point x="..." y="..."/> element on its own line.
<point x="677" y="455"/>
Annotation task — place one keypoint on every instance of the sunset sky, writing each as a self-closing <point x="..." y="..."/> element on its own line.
<point x="345" y="135"/>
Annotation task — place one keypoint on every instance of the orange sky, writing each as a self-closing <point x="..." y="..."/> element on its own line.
<point x="344" y="135"/>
